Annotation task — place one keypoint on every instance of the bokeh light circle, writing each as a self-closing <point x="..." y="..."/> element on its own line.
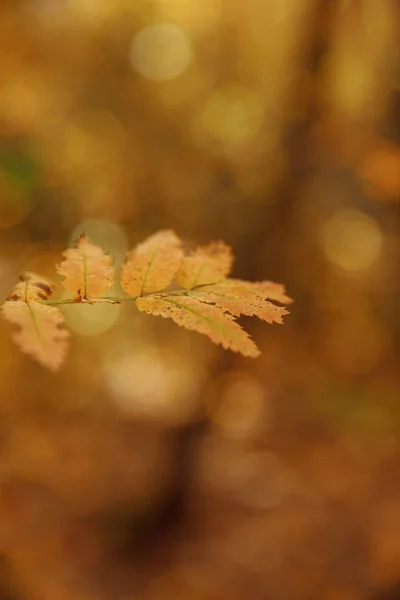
<point x="230" y="119"/>
<point x="152" y="384"/>
<point x="105" y="233"/>
<point x="91" y="319"/>
<point x="352" y="240"/>
<point x="161" y="52"/>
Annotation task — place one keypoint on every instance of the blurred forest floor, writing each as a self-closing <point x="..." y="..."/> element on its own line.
<point x="155" y="466"/>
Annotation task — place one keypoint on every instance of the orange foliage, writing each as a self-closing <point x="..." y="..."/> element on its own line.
<point x="152" y="265"/>
<point x="87" y="270"/>
<point x="207" y="302"/>
<point x="41" y="333"/>
<point x="212" y="321"/>
<point x="205" y="265"/>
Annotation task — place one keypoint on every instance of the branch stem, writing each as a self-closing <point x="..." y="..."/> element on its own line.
<point x="111" y="299"/>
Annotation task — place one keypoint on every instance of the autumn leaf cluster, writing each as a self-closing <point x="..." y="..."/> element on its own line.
<point x="205" y="300"/>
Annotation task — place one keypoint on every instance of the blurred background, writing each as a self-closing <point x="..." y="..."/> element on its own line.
<point x="154" y="465"/>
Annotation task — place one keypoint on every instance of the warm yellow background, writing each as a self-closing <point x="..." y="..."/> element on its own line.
<point x="155" y="465"/>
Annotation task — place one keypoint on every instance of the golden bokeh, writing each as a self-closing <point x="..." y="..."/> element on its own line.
<point x="91" y="320"/>
<point x="229" y="120"/>
<point x="161" y="52"/>
<point x="238" y="405"/>
<point x="352" y="240"/>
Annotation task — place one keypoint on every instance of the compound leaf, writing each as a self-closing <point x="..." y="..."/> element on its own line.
<point x="208" y="303"/>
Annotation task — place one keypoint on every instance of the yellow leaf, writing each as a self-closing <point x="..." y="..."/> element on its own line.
<point x="206" y="264"/>
<point x="152" y="265"/>
<point x="245" y="298"/>
<point x="40" y="335"/>
<point x="31" y="288"/>
<point x="87" y="270"/>
<point x="267" y="290"/>
<point x="209" y="320"/>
